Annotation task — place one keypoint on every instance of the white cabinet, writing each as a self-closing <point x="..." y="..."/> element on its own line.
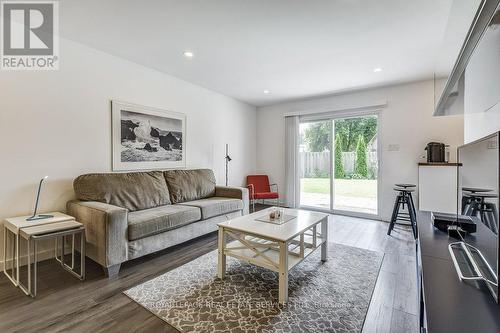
<point x="437" y="187"/>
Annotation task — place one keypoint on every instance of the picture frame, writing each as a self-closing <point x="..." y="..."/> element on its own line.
<point x="146" y="138"/>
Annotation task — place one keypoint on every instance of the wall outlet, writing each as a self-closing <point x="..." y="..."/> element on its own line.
<point x="393" y="147"/>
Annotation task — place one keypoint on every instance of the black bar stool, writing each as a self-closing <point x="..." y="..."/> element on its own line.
<point x="486" y="211"/>
<point x="410" y="186"/>
<point x="468" y="199"/>
<point x="403" y="198"/>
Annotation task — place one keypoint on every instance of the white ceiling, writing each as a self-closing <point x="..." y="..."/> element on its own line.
<point x="294" y="48"/>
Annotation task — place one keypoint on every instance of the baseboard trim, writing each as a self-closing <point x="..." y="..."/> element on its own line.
<point x="23" y="260"/>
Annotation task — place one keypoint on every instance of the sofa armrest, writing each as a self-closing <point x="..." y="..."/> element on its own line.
<point x="234" y="192"/>
<point x="105" y="230"/>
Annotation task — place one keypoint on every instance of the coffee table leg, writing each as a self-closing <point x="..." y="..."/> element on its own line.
<point x="324" y="235"/>
<point x="283" y="277"/>
<point x="221" y="267"/>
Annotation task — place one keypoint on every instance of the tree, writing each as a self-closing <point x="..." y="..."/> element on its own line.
<point x="317" y="136"/>
<point x="339" y="166"/>
<point x="351" y="128"/>
<point x="361" y="166"/>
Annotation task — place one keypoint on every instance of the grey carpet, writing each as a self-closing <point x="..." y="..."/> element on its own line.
<point x="323" y="297"/>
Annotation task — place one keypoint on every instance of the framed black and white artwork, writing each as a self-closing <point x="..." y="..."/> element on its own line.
<point x="147" y="138"/>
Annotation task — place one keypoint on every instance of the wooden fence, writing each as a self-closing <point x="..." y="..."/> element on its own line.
<point x="313" y="164"/>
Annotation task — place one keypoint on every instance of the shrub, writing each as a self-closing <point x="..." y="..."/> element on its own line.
<point x="361" y="167"/>
<point x="339" y="166"/>
<point x="354" y="176"/>
<point x="317" y="173"/>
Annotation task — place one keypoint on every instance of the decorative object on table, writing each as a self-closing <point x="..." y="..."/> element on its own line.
<point x="40" y="216"/>
<point x="147" y="138"/>
<point x="275" y="214"/>
<point x="259" y="188"/>
<point x="271" y="217"/>
<point x="12" y="233"/>
<point x="228" y="159"/>
<point x="330" y="297"/>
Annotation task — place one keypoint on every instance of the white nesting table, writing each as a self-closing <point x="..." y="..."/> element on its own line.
<point x="13" y="228"/>
<point x="58" y="232"/>
<point x="278" y="247"/>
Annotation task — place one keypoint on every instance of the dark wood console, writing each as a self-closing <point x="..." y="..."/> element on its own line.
<point x="446" y="304"/>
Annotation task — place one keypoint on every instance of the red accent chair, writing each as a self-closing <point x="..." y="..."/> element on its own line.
<point x="259" y="188"/>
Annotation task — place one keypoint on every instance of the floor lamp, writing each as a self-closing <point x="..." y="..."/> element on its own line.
<point x="228" y="159"/>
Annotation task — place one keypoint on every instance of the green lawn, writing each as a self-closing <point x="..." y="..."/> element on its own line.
<point x="346" y="187"/>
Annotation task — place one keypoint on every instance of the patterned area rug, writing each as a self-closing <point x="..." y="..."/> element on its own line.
<point x="323" y="297"/>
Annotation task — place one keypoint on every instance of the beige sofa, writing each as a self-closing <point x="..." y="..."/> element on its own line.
<point x="129" y="215"/>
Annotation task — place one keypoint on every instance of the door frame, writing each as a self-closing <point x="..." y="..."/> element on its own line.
<point x="343" y="115"/>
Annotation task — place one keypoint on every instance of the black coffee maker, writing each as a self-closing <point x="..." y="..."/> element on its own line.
<point x="436" y="152"/>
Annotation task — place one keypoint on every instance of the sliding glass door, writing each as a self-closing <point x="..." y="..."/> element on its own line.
<point x="315" y="164"/>
<point x="338" y="164"/>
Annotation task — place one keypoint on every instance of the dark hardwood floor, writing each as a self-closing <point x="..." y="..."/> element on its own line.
<point x="65" y="304"/>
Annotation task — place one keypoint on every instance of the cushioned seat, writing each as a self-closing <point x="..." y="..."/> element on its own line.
<point x="148" y="222"/>
<point x="215" y="206"/>
<point x="266" y="195"/>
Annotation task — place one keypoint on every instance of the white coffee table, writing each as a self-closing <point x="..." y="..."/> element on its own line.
<point x="278" y="247"/>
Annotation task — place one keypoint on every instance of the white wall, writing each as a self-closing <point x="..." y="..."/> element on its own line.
<point x="59" y="123"/>
<point x="481" y="124"/>
<point x="407" y="121"/>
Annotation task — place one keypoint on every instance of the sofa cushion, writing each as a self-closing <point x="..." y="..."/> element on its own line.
<point x="133" y="191"/>
<point x="188" y="185"/>
<point x="153" y="221"/>
<point x="215" y="206"/>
